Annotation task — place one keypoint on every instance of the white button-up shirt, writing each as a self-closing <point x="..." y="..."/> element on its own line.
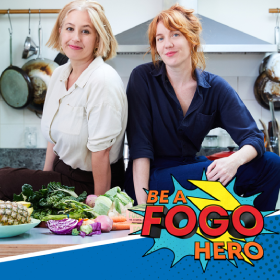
<point x="90" y="116"/>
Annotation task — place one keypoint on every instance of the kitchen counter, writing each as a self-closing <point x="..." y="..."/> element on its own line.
<point x="40" y="239"/>
<point x="35" y="158"/>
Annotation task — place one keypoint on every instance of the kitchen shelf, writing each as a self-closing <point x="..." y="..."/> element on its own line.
<point x="32" y="11"/>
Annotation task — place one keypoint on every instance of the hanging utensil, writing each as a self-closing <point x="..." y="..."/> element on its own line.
<point x="274" y="138"/>
<point x="30" y="47"/>
<point x="15" y="85"/>
<point x="271" y="92"/>
<point x="271" y="63"/>
<point x="265" y="131"/>
<point x="39" y="70"/>
<point x="276" y="32"/>
<point x="278" y="127"/>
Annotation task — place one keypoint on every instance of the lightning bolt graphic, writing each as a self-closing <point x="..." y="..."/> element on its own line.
<point x="224" y="199"/>
<point x="207" y="193"/>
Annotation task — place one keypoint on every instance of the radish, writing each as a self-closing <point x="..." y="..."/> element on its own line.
<point x="90" y="200"/>
<point x="106" y="223"/>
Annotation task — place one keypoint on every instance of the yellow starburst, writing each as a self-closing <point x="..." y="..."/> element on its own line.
<point x="221" y="197"/>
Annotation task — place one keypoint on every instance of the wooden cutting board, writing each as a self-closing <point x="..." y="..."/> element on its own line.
<point x="8" y="250"/>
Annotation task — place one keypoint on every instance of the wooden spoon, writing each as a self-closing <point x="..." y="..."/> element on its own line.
<point x="266" y="135"/>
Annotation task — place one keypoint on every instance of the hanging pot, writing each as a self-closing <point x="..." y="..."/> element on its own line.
<point x="271" y="66"/>
<point x="40" y="71"/>
<point x="15" y="85"/>
<point x="261" y="87"/>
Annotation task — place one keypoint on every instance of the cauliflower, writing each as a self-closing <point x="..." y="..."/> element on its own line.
<point x="114" y="213"/>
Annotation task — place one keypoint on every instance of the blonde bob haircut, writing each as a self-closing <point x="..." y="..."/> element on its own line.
<point x="179" y="18"/>
<point x="107" y="46"/>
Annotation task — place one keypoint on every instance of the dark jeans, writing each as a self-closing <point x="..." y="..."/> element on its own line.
<point x="261" y="175"/>
<point x="12" y="179"/>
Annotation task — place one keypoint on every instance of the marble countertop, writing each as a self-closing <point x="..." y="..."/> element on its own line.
<point x="35" y="158"/>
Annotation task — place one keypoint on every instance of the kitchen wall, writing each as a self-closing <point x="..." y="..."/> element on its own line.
<point x="240" y="70"/>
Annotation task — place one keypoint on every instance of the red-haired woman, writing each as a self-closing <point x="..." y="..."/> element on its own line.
<point x="173" y="103"/>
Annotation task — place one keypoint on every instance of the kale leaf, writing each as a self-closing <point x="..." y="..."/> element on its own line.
<point x="58" y="187"/>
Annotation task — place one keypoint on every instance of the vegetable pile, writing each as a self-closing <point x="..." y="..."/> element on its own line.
<point x="58" y="202"/>
<point x="52" y="200"/>
<point x="66" y="213"/>
<point x="72" y="226"/>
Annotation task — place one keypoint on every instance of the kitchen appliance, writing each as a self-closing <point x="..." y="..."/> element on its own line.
<point x="217" y="37"/>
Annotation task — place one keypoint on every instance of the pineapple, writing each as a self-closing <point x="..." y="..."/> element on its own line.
<point x="12" y="213"/>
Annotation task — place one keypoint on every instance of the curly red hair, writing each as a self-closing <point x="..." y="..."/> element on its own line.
<point x="179" y="18"/>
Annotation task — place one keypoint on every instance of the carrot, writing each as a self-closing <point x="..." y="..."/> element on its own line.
<point x="118" y="219"/>
<point x="83" y="219"/>
<point x="121" y="226"/>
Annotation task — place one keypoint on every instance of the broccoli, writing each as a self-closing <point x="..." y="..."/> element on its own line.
<point x="75" y="232"/>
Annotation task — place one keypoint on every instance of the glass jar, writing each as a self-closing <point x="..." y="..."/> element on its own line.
<point x="210" y="141"/>
<point x="224" y="139"/>
<point x="30" y="137"/>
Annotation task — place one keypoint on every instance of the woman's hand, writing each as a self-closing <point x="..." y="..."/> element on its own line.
<point x="222" y="169"/>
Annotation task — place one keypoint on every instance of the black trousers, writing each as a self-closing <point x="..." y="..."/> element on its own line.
<point x="12" y="179"/>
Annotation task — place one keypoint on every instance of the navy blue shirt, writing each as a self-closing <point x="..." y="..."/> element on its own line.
<point x="156" y="124"/>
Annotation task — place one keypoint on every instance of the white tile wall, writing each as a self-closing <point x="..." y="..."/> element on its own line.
<point x="12" y="126"/>
<point x="246" y="87"/>
<point x="30" y="118"/>
<point x="12" y="136"/>
<point x="10" y="115"/>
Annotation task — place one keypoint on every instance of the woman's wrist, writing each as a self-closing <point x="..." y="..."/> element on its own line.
<point x="244" y="155"/>
<point x="237" y="158"/>
<point x="101" y="171"/>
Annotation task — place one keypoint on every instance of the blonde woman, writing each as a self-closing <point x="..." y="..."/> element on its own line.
<point x="85" y="111"/>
